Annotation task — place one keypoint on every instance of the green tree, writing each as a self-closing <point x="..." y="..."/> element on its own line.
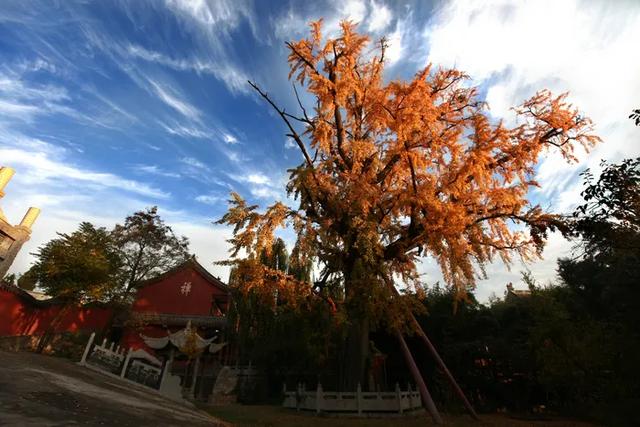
<point x="607" y="229"/>
<point x="79" y="266"/>
<point x="11" y="279"/>
<point x="147" y="247"/>
<point x="27" y="281"/>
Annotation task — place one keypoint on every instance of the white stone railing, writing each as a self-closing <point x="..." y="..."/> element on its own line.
<point x="109" y="358"/>
<point x="118" y="360"/>
<point x="358" y="402"/>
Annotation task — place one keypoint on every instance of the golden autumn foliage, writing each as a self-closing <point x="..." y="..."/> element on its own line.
<point x="396" y="171"/>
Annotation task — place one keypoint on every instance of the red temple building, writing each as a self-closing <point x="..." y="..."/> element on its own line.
<point x="169" y="302"/>
<point x="178" y="317"/>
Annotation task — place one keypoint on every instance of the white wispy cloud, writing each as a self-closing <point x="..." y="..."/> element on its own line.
<point x="18" y="110"/>
<point x="13" y="86"/>
<point x="212" y="23"/>
<point x="121" y="111"/>
<point x="173" y="101"/>
<point x="186" y="131"/>
<point x="195" y="169"/>
<point x="43" y="168"/>
<point x="501" y="44"/>
<point x="232" y="76"/>
<point x="373" y="17"/>
<point x="260" y="185"/>
<point x="211" y="13"/>
<point x="229" y="139"/>
<point x="28" y="101"/>
<point x="258" y="178"/>
<point x="263" y="192"/>
<point x="155" y="170"/>
<point x="25" y="101"/>
<point x="193" y="162"/>
<point x="396" y="48"/>
<point x="252" y="178"/>
<point x="210" y="199"/>
<point x="380" y="17"/>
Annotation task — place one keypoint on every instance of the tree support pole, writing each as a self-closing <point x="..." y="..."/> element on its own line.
<point x="427" y="401"/>
<point x="447" y="373"/>
<point x="425" y="339"/>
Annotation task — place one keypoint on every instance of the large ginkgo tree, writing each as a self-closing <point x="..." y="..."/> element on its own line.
<point x="394" y="171"/>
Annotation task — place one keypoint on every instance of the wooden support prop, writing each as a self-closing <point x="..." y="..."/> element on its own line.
<point x="425" y="339"/>
<point x="417" y="376"/>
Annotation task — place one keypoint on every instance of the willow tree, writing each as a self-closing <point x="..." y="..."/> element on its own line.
<point x="395" y="171"/>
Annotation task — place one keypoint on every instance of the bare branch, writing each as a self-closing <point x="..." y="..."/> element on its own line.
<point x="293" y="134"/>
<point x="304" y="111"/>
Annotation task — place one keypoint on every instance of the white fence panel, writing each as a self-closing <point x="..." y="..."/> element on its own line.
<point x="348" y="402"/>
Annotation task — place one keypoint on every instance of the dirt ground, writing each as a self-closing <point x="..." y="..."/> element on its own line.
<point x="273" y="416"/>
<point x="46" y="391"/>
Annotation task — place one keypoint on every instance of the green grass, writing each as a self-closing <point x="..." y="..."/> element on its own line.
<point x="272" y="416"/>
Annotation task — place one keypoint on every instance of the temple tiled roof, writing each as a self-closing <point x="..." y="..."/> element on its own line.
<point x="171" y="319"/>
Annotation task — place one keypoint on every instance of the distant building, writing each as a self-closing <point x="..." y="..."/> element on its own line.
<point x="516" y="293"/>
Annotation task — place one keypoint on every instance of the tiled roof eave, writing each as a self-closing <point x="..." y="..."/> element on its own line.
<point x="171" y="319"/>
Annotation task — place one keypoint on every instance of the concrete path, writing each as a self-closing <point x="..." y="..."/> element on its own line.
<point x="40" y="390"/>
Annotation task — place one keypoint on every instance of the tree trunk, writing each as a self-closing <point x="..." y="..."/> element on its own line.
<point x="357" y="343"/>
<point x="357" y="352"/>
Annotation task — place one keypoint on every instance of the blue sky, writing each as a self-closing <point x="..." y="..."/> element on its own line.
<point x="107" y="107"/>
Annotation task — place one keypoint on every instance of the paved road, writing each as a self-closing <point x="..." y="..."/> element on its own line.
<point x="40" y="390"/>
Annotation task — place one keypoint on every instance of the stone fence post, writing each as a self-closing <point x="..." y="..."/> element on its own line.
<point x="126" y="362"/>
<point x="399" y="397"/>
<point x="87" y="348"/>
<point x="359" y="399"/>
<point x="319" y="398"/>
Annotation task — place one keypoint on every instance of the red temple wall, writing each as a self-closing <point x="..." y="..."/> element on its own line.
<point x="20" y="317"/>
<point x="166" y="296"/>
<point x="15" y="316"/>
